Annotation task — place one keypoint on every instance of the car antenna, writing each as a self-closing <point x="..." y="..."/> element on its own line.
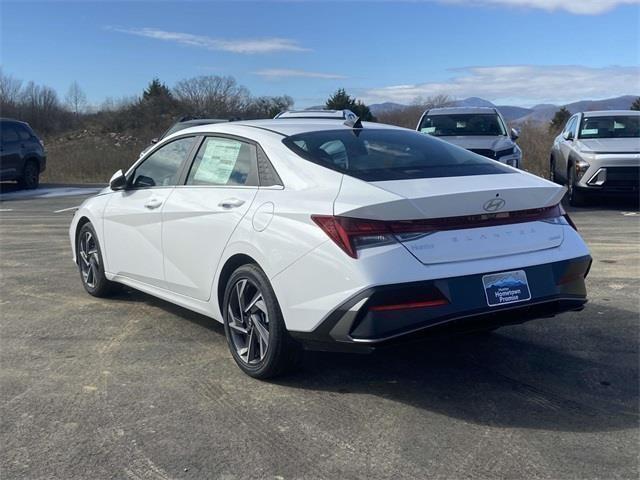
<point x="354" y="123"/>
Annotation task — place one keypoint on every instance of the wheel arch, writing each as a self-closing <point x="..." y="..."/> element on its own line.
<point x="231" y="265"/>
<point x="81" y="223"/>
<point x="32" y="158"/>
<point x="571" y="161"/>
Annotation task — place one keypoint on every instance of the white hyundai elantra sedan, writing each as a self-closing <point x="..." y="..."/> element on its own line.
<point x="333" y="235"/>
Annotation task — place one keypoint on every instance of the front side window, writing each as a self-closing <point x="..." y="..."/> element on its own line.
<point x="386" y="154"/>
<point x="618" y="126"/>
<point x="224" y="161"/>
<point x="571" y="125"/>
<point x="458" y="124"/>
<point x="162" y="167"/>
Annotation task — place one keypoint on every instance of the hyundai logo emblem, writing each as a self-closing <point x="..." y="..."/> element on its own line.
<point x="493" y="205"/>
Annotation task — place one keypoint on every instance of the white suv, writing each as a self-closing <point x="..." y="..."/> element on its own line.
<point x="479" y="129"/>
<point x="598" y="153"/>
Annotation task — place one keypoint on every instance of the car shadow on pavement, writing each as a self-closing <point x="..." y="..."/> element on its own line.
<point x="502" y="379"/>
<point x="497" y="379"/>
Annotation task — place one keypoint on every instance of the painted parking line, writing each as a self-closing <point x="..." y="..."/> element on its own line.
<point x="66" y="209"/>
<point x="6" y="209"/>
<point x="49" y="192"/>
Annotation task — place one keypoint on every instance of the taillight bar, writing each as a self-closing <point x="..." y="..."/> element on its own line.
<point x="410" y="305"/>
<point x="476" y="221"/>
<point x="344" y="230"/>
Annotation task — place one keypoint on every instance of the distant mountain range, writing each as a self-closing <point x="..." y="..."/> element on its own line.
<point x="539" y="113"/>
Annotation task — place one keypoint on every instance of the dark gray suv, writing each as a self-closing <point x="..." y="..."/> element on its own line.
<point x="22" y="154"/>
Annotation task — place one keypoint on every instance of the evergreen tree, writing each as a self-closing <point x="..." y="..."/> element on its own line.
<point x="559" y="120"/>
<point x="156" y="90"/>
<point x="636" y="104"/>
<point x="341" y="100"/>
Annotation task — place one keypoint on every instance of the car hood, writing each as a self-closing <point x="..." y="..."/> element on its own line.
<point x="611" y="145"/>
<point x="481" y="142"/>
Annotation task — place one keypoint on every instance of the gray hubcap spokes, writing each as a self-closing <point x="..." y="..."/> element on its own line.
<point x="248" y="322"/>
<point x="88" y="250"/>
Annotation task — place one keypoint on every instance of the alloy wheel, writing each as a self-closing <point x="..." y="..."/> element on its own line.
<point x="88" y="250"/>
<point x="248" y="322"/>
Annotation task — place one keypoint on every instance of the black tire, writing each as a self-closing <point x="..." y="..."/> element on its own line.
<point x="552" y="170"/>
<point x="90" y="264"/>
<point x="30" y="175"/>
<point x="282" y="354"/>
<point x="577" y="198"/>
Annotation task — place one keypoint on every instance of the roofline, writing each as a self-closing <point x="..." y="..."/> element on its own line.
<point x="437" y="109"/>
<point x="607" y="113"/>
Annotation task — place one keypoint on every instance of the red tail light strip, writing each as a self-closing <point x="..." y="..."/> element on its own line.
<point x="342" y="230"/>
<point x="410" y="305"/>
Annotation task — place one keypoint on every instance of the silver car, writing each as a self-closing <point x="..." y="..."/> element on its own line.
<point x="598" y="153"/>
<point x="479" y="129"/>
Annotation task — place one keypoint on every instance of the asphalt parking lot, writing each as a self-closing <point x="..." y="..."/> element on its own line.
<point x="134" y="387"/>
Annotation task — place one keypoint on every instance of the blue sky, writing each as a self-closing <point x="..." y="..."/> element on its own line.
<point x="520" y="52"/>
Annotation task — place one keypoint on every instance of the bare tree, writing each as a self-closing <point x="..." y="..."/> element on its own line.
<point x="268" y="107"/>
<point x="76" y="98"/>
<point x="212" y="96"/>
<point x="9" y="94"/>
<point x="409" y="115"/>
<point x="434" y="101"/>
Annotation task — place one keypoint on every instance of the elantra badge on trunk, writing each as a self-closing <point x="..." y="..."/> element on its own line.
<point x="506" y="287"/>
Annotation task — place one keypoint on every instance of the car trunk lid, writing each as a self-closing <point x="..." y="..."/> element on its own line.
<point x="465" y="218"/>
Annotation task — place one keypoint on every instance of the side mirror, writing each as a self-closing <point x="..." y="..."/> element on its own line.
<point x="143" y="182"/>
<point x="515" y="134"/>
<point x="118" y="181"/>
<point x="155" y="140"/>
<point x="568" y="135"/>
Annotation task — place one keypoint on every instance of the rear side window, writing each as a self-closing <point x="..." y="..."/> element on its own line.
<point x="9" y="133"/>
<point x="224" y="161"/>
<point x="379" y="155"/>
<point x="162" y="167"/>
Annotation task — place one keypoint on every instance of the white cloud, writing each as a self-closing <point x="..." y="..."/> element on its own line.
<point x="521" y="84"/>
<point x="246" y="46"/>
<point x="275" y="73"/>
<point x="580" y="7"/>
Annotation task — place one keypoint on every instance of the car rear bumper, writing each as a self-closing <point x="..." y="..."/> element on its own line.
<point x="360" y="325"/>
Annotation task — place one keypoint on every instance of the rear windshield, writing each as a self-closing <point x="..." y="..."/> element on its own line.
<point x="380" y="154"/>
<point x="620" y="126"/>
<point x="471" y="124"/>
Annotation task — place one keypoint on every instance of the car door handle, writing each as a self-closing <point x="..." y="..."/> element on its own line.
<point x="153" y="203"/>
<point x="231" y="203"/>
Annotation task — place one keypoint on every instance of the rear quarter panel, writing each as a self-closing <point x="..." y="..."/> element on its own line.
<point x="278" y="230"/>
